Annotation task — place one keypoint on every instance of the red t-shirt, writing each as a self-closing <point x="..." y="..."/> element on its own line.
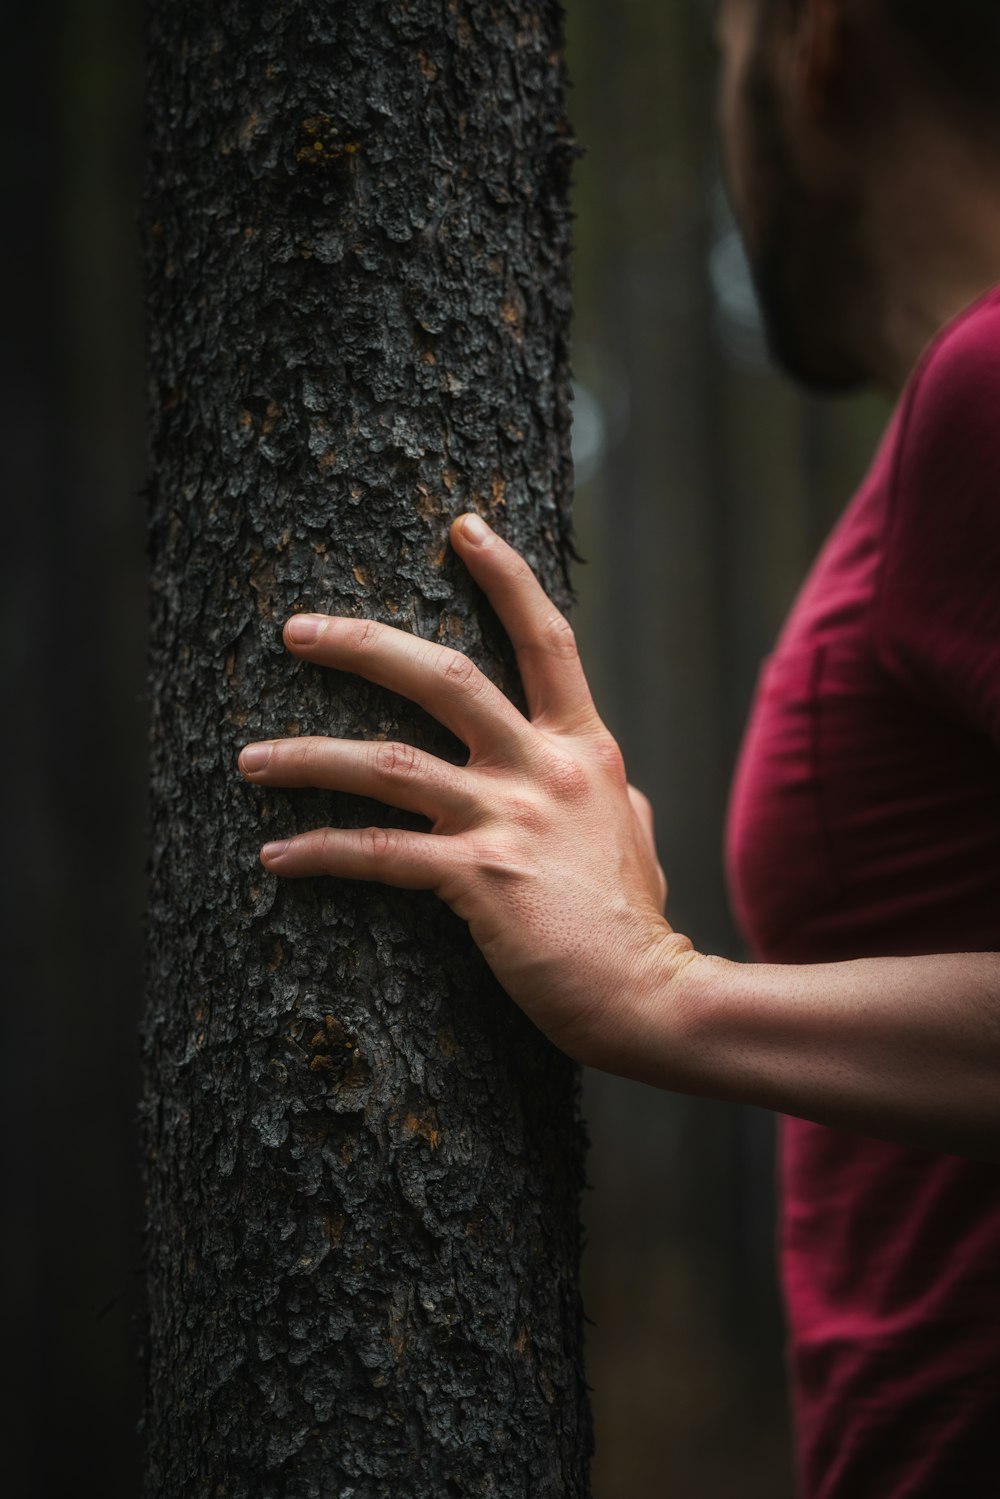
<point x="864" y="822"/>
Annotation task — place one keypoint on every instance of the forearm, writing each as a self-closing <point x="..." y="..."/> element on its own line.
<point x="905" y="1049"/>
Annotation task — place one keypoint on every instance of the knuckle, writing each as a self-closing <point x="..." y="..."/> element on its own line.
<point x="458" y="670"/>
<point x="396" y="761"/>
<point x="558" y="636"/>
<point x="379" y="842"/>
<point x="367" y="632"/>
<point x="303" y="754"/>
<point x="605" y="752"/>
<point x="566" y="779"/>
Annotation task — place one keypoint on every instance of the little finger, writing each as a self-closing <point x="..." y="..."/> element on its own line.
<point x="393" y="856"/>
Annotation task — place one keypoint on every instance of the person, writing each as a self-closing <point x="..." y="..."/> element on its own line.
<point x="861" y="141"/>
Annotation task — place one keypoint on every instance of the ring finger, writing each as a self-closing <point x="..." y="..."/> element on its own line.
<point x="396" y="774"/>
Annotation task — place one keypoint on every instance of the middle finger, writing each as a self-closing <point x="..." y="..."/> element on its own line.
<point x="443" y="681"/>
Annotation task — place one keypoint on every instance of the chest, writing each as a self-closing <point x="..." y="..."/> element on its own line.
<point x="860" y="822"/>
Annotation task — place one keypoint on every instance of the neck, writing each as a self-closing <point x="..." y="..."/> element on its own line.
<point x="934" y="228"/>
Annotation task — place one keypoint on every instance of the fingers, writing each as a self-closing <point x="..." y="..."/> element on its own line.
<point x="444" y="682"/>
<point x="410" y="861"/>
<point x="553" y="678"/>
<point x="393" y="773"/>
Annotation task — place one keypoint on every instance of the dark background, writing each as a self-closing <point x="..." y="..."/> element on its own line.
<point x="705" y="485"/>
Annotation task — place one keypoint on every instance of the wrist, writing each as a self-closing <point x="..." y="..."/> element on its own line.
<point x="648" y="1040"/>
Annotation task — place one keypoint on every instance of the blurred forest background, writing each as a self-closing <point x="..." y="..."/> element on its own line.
<point x="705" y="485"/>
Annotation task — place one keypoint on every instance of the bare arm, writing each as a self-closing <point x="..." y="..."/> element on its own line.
<point x="906" y="1049"/>
<point x="541" y="846"/>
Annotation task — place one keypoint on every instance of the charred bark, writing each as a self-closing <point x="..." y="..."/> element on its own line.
<point x="363" y="1164"/>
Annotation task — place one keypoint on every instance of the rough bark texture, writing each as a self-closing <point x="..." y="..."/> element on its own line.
<point x="363" y="1163"/>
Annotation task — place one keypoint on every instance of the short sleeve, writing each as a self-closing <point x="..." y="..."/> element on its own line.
<point x="937" y="618"/>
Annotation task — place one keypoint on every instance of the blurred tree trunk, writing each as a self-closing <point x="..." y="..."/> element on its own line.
<point x="71" y="462"/>
<point x="363" y="1164"/>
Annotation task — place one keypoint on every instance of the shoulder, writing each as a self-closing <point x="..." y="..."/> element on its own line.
<point x="952" y="403"/>
<point x="937" y="611"/>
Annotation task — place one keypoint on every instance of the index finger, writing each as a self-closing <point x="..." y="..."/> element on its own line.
<point x="543" y="640"/>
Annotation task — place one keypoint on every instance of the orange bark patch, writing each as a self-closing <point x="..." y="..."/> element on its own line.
<point x="323" y="141"/>
<point x="513" y="317"/>
<point x="334" y="1033"/>
<point x="334" y="1225"/>
<point x="249" y="128"/>
<point x="427" y="504"/>
<point x="426" y="1129"/>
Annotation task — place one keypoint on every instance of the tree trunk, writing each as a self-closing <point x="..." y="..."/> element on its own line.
<point x="363" y="1164"/>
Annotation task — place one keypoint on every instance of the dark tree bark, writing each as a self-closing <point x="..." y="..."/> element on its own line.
<point x="363" y="1162"/>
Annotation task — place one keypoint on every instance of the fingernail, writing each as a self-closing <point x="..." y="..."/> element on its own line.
<point x="274" y="850"/>
<point x="255" y="757"/>
<point x="303" y="628"/>
<point x="475" y="529"/>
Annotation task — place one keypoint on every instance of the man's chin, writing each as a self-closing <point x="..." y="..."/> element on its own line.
<point x="804" y="340"/>
<point x="823" y="371"/>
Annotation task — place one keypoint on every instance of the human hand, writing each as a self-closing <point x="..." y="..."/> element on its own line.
<point x="538" y="842"/>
